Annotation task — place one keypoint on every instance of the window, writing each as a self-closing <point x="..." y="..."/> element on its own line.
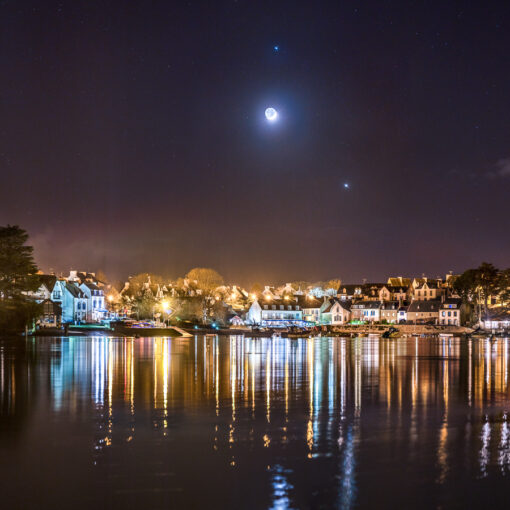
<point x="273" y="307"/>
<point x="449" y="315"/>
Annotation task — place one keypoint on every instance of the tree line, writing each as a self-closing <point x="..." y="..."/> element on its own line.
<point x="482" y="285"/>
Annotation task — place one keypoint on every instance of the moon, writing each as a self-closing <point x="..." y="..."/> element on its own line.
<point x="271" y="114"/>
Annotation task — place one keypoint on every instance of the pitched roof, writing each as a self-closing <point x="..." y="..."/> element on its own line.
<point x="91" y="286"/>
<point x="309" y="301"/>
<point x="390" y="305"/>
<point x="451" y="301"/>
<point x="48" y="280"/>
<point x="367" y="305"/>
<point x="399" y="281"/>
<point x="349" y="289"/>
<point x="74" y="290"/>
<point x="431" y="284"/>
<point x="424" y="306"/>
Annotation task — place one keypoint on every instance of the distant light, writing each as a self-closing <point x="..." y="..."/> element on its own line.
<point x="276" y="48"/>
<point x="271" y="114"/>
<point x="346" y="185"/>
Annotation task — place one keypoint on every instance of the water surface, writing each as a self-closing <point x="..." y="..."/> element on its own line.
<point x="219" y="422"/>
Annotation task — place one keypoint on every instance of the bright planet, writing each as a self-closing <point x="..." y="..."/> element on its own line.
<point x="271" y="114"/>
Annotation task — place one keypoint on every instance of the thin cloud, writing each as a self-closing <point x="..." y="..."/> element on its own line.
<point x="502" y="169"/>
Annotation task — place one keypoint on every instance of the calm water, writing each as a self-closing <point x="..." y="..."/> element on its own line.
<point x="254" y="423"/>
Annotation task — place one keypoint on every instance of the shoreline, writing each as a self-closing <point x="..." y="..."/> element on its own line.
<point x="346" y="331"/>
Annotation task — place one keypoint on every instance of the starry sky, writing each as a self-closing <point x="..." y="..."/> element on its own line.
<point x="133" y="136"/>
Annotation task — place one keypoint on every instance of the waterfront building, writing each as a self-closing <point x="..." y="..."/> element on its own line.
<point x="45" y="289"/>
<point x="423" y="311"/>
<point x="366" y="311"/>
<point x="275" y="313"/>
<point x="402" y="313"/>
<point x="96" y="310"/>
<point x="72" y="300"/>
<point x="311" y="307"/>
<point x="336" y="312"/>
<point x="450" y="312"/>
<point x="389" y="311"/>
<point x="496" y="319"/>
<point x="51" y="316"/>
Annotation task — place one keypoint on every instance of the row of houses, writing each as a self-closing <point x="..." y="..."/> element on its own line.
<point x="80" y="297"/>
<point x="299" y="310"/>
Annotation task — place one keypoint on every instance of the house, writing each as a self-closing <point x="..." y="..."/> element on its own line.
<point x="427" y="290"/>
<point x="394" y="293"/>
<point x="275" y="313"/>
<point x="269" y="293"/>
<point x="43" y="293"/>
<point x="349" y="292"/>
<point x="497" y="318"/>
<point x="389" y="311"/>
<point x="370" y="291"/>
<point x="336" y="312"/>
<point x="96" y="310"/>
<point x="450" y="312"/>
<point x="72" y="299"/>
<point x="367" y="311"/>
<point x="51" y="316"/>
<point x="402" y="313"/>
<point x="311" y="307"/>
<point x="422" y="311"/>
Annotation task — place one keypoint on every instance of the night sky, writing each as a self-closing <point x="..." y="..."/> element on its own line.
<point x="133" y="136"/>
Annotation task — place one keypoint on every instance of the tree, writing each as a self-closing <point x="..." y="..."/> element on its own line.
<point x="256" y="289"/>
<point x="504" y="286"/>
<point x="465" y="285"/>
<point x="17" y="277"/>
<point x="144" y="306"/>
<point x="206" y="281"/>
<point x="488" y="280"/>
<point x="333" y="284"/>
<point x="101" y="276"/>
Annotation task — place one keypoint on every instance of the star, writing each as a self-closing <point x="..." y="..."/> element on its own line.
<point x="346" y="185"/>
<point x="276" y="48"/>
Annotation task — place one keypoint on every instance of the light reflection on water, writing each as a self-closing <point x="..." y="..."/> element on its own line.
<point x="254" y="423"/>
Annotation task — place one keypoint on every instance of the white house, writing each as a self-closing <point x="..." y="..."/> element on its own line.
<point x="497" y="318"/>
<point x="336" y="312"/>
<point x="275" y="313"/>
<point x="367" y="311"/>
<point x="73" y="301"/>
<point x="96" y="301"/>
<point x="311" y="308"/>
<point x="449" y="313"/>
<point x="402" y="313"/>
